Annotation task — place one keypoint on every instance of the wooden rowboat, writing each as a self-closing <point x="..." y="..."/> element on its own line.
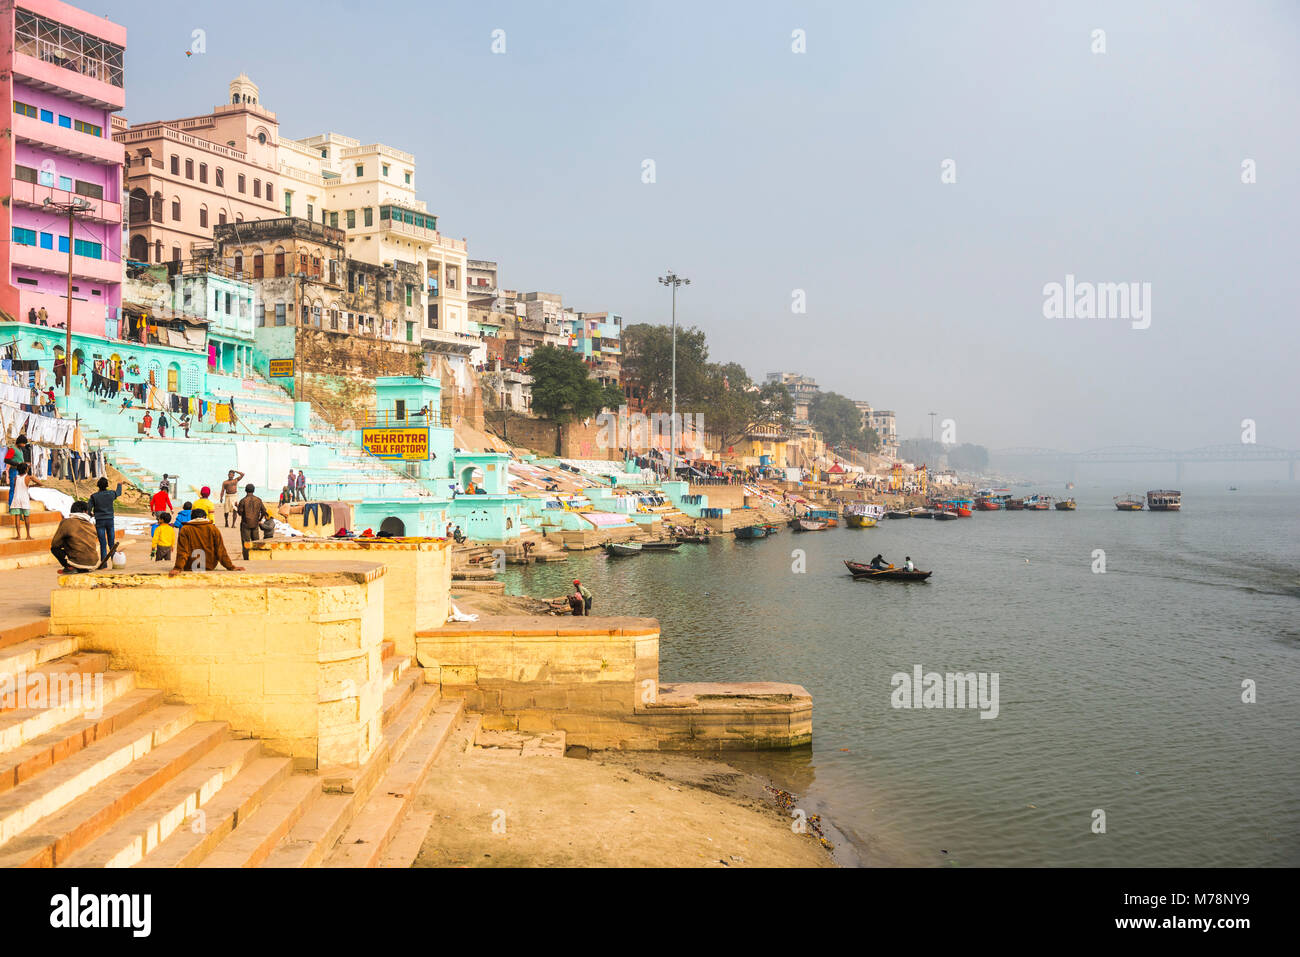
<point x="750" y="531"/>
<point x="660" y="546"/>
<point x="623" y="548"/>
<point x="860" y="521"/>
<point x="864" y="570"/>
<point x="811" y="525"/>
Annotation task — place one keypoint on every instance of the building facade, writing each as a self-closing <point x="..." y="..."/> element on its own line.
<point x="62" y="69"/>
<point x="186" y="177"/>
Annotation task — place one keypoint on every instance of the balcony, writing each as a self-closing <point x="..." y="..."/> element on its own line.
<point x="34" y="195"/>
<point x="287" y="227"/>
<point x="52" y="261"/>
<point x="85" y="82"/>
<point x="66" y="142"/>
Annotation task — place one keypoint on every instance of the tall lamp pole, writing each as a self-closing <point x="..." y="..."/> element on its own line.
<point x="673" y="280"/>
<point x="71" y="208"/>
<point x="932" y="415"/>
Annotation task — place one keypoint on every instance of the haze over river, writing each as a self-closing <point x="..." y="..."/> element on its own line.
<point x="1119" y="691"/>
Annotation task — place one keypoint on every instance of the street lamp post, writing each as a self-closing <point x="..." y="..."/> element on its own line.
<point x="70" y="208"/>
<point x="673" y="280"/>
<point x="932" y="415"/>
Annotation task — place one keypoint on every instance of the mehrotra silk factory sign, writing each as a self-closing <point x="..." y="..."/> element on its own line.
<point x="396" y="443"/>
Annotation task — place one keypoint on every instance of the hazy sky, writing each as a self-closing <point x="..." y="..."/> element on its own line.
<point x="821" y="171"/>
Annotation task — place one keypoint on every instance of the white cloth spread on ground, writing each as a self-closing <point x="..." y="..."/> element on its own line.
<point x="53" y="500"/>
<point x="458" y="615"/>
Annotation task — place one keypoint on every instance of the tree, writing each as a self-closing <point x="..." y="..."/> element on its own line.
<point x="729" y="407"/>
<point x="837" y="418"/>
<point x="648" y="364"/>
<point x="775" y="405"/>
<point x="562" y="388"/>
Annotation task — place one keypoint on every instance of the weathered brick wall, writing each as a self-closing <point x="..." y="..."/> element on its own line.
<point x="577" y="441"/>
<point x="339" y="370"/>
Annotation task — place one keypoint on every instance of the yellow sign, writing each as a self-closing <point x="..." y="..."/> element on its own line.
<point x="280" y="368"/>
<point x="396" y="443"/>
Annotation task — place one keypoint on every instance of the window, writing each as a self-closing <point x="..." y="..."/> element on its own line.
<point x="352" y="281"/>
<point x="239" y="264"/>
<point x="302" y="263"/>
<point x="260" y="312"/>
<point x="408" y="178"/>
<point x="261" y="138"/>
<point x="84" y="247"/>
<point x="334" y="220"/>
<point x="352" y="219"/>
<point x="47" y="240"/>
<point x="189" y="169"/>
<point x="279" y="263"/>
<point x="280" y="316"/>
<point x="65" y="183"/>
<point x="221" y="176"/>
<point x="63" y="244"/>
<point x="269" y="197"/>
<point x="65" y="121"/>
<point x="25" y="174"/>
<point x="221" y="218"/>
<point x="93" y="190"/>
<point x="25" y="110"/>
<point x="309" y="212"/>
<point x="288" y="202"/>
<point x="46" y="177"/>
<point x="257" y="188"/>
<point x="228" y="304"/>
<point x="176" y="209"/>
<point x="368" y="216"/>
<point x="388" y="289"/>
<point x="361" y="171"/>
<point x="385" y="169"/>
<point x="258" y="266"/>
<point x="176" y="165"/>
<point x="315" y="316"/>
<point x="203" y="172"/>
<point x="432" y="322"/>
<point x="241" y="183"/>
<point x="203" y="217"/>
<point x="90" y="128"/>
<point x="176" y="254"/>
<point x="24" y="237"/>
<point x="410" y="294"/>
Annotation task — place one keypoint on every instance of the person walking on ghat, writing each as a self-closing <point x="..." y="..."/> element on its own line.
<point x="230" y="494"/>
<point x="199" y="547"/>
<point x="252" y="513"/>
<point x="301" y="486"/>
<point x="161" y="501"/>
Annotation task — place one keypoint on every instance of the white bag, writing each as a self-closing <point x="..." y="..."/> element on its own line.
<point x="119" y="560"/>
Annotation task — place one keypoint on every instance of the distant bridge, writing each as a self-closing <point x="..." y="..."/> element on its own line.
<point x="1141" y="455"/>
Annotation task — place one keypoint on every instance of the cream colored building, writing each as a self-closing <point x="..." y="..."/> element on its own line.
<point x="368" y="191"/>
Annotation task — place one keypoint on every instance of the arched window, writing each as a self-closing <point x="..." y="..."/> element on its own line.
<point x="203" y="172"/>
<point x="279" y="261"/>
<point x="221" y="218"/>
<point x="259" y="265"/>
<point x="139" y="249"/>
<point x="189" y="169"/>
<point x="203" y="217"/>
<point x="176" y="208"/>
<point x="239" y="264"/>
<point x="139" y="206"/>
<point x="157" y="208"/>
<point x="239" y="217"/>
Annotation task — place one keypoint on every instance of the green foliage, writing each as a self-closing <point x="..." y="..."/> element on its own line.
<point x="648" y="365"/>
<point x="838" y="419"/>
<point x="562" y="388"/>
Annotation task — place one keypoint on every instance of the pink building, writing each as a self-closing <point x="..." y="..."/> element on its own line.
<point x="62" y="70"/>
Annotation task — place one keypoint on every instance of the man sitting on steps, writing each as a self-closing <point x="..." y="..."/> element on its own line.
<point x="199" y="547"/>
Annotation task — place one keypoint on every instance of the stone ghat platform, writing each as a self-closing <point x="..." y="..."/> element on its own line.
<point x="598" y="681"/>
<point x="291" y="656"/>
<point x="417" y="580"/>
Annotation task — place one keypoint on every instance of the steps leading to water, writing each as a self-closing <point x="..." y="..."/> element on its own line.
<point x="136" y="781"/>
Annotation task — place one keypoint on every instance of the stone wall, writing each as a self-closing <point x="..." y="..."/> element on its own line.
<point x="291" y="657"/>
<point x="598" y="681"/>
<point x="339" y="370"/>
<point x="417" y="582"/>
<point x="577" y="441"/>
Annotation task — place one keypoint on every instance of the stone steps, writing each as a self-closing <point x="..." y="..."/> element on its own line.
<point x="48" y="818"/>
<point x="142" y="783"/>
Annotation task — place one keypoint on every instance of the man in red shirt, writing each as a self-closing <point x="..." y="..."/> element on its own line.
<point x="161" y="501"/>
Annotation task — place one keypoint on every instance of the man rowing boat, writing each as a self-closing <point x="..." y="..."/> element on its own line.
<point x="878" y="562"/>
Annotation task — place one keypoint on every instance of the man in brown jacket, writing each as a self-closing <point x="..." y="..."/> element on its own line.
<point x="252" y="513"/>
<point x="75" y="543"/>
<point x="199" y="546"/>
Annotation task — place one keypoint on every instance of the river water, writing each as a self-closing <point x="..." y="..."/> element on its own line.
<point x="1119" y="692"/>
